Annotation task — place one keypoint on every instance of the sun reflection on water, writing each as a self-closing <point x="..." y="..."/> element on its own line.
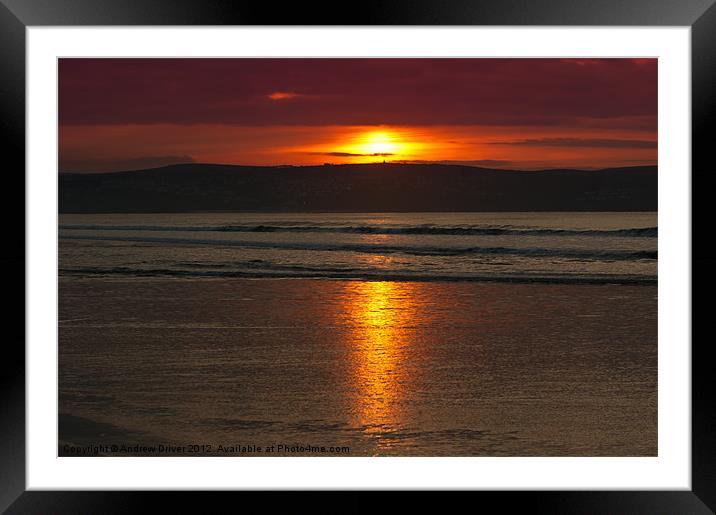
<point x="382" y="315"/>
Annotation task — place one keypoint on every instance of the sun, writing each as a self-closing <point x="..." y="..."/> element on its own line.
<point x="373" y="144"/>
<point x="380" y="143"/>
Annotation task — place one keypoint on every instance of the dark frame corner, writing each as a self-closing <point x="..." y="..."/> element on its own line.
<point x="16" y="15"/>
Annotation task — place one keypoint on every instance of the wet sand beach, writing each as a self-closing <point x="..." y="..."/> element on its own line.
<point x="357" y="368"/>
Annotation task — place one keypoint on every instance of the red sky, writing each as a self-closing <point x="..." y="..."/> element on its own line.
<point x="118" y="114"/>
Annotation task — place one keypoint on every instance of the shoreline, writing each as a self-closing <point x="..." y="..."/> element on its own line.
<point x="397" y="278"/>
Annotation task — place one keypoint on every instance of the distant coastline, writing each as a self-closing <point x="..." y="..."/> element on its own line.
<point x="383" y="187"/>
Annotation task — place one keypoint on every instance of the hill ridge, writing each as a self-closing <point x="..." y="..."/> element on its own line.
<point x="379" y="187"/>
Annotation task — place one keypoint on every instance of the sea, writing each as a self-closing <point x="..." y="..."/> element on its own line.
<point x="524" y="247"/>
<point x="354" y="334"/>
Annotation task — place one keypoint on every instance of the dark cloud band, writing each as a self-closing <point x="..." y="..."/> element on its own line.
<point x="579" y="142"/>
<point x="534" y="92"/>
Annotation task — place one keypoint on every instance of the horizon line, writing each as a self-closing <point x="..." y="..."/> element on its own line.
<point x="372" y="163"/>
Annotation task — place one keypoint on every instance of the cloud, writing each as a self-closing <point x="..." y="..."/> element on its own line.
<point x="352" y="92"/>
<point x="579" y="142"/>
<point x="282" y="95"/>
<point x="350" y="154"/>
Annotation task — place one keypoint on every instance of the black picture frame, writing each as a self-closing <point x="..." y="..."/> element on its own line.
<point x="17" y="15"/>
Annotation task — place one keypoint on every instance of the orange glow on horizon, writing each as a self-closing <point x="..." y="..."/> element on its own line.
<point x="125" y="147"/>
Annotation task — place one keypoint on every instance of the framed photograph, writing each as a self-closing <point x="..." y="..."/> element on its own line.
<point x="442" y="247"/>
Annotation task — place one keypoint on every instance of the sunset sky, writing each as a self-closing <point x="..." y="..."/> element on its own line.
<point x="123" y="114"/>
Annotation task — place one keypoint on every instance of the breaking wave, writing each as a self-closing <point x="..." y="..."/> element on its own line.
<point x="638" y="232"/>
<point x="417" y="250"/>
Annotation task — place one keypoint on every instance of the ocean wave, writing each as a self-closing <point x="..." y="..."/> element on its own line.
<point x="485" y="230"/>
<point x="358" y="274"/>
<point x="608" y="255"/>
